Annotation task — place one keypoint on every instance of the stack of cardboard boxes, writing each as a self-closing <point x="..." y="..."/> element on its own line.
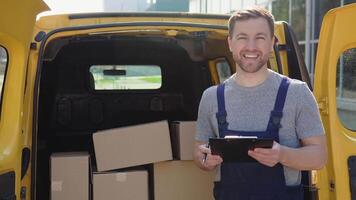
<point x="70" y="176"/>
<point x="168" y="149"/>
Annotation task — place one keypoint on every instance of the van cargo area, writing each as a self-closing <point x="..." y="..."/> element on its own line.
<point x="71" y="109"/>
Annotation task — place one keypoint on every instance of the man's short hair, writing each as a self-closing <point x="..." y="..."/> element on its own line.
<point x="251" y="13"/>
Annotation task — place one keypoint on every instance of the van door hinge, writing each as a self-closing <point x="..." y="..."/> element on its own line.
<point x="332" y="186"/>
<point x="284" y="47"/>
<point x="33" y="46"/>
<point x="323" y="106"/>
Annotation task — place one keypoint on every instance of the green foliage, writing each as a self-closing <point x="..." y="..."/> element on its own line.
<point x="152" y="79"/>
<point x="280" y="10"/>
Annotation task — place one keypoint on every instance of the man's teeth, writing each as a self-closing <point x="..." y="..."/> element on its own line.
<point x="250" y="56"/>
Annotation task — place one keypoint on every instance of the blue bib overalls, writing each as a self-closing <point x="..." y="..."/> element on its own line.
<point x="254" y="181"/>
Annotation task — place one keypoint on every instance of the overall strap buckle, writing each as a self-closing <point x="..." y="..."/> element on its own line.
<point x="274" y="123"/>
<point x="276" y="117"/>
<point x="222" y="122"/>
<point x="221" y="114"/>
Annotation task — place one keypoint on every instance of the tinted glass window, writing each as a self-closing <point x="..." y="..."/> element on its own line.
<point x="223" y="69"/>
<point x="321" y="8"/>
<point x="280" y="10"/>
<point x="346" y="88"/>
<point x="125" y="77"/>
<point x="3" y="64"/>
<point x="349" y="1"/>
<point x="298" y="18"/>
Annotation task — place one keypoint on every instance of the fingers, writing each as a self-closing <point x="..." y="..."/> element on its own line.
<point x="269" y="157"/>
<point x="263" y="159"/>
<point x="212" y="161"/>
<point x="274" y="148"/>
<point x="203" y="149"/>
<point x="208" y="160"/>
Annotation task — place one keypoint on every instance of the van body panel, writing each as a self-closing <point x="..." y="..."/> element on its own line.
<point x="337" y="35"/>
<point x="16" y="28"/>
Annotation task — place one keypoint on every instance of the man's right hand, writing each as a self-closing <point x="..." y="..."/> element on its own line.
<point x="203" y="157"/>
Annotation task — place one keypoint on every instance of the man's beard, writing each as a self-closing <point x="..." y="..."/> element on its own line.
<point x="252" y="67"/>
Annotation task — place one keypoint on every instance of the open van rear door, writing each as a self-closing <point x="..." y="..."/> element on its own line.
<point x="335" y="91"/>
<point x="17" y="20"/>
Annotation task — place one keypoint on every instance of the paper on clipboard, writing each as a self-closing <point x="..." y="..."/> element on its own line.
<point x="240" y="136"/>
<point x="234" y="149"/>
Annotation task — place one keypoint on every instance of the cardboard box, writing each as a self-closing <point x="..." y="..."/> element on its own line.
<point x="183" y="137"/>
<point x="70" y="176"/>
<point x="131" y="185"/>
<point x="182" y="180"/>
<point x="132" y="146"/>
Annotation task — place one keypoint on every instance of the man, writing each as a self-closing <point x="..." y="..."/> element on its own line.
<point x="258" y="101"/>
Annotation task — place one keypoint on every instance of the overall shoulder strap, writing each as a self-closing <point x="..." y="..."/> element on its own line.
<point x="221" y="114"/>
<point x="277" y="113"/>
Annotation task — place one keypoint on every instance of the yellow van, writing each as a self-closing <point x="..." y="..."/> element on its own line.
<point x="64" y="77"/>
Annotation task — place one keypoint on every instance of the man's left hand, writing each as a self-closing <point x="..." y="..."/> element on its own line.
<point x="269" y="157"/>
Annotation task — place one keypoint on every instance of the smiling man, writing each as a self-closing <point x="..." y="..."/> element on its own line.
<point x="260" y="102"/>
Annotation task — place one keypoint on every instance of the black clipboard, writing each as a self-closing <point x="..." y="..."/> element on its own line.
<point x="235" y="149"/>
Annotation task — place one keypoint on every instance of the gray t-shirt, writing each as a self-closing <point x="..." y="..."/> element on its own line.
<point x="248" y="109"/>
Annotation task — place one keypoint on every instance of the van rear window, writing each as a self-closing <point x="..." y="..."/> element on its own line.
<point x="3" y="64"/>
<point x="125" y="77"/>
<point x="346" y="88"/>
